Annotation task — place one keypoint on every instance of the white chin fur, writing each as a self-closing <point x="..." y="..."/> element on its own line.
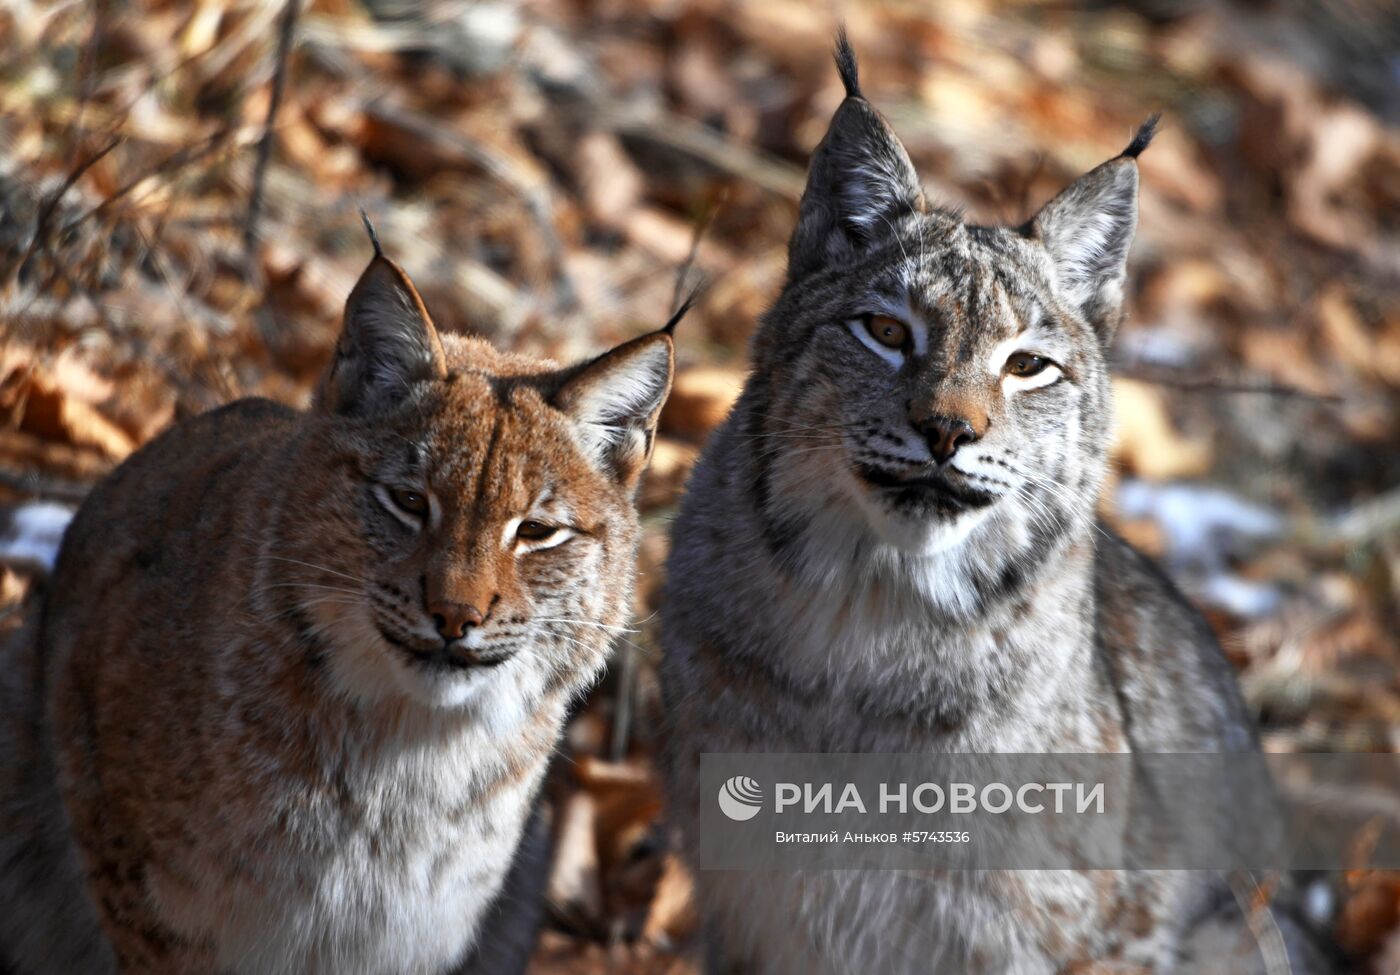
<point x="915" y="536"/>
<point x="365" y="668"/>
<point x="440" y="687"/>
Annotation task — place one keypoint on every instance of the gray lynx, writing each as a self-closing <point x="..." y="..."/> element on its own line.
<point x="891" y="546"/>
<point x="298" y="676"/>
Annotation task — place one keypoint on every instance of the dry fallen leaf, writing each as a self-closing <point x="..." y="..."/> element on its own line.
<point x="1146" y="441"/>
<point x="673" y="919"/>
<point x="575" y="891"/>
<point x="1369" y="913"/>
<point x="700" y="400"/>
<point x="43" y="408"/>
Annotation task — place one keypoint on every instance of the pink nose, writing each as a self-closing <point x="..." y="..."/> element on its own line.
<point x="945" y="434"/>
<point x="453" y="619"/>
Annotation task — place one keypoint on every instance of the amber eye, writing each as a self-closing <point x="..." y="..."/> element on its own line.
<point x="410" y="501"/>
<point x="889" y="332"/>
<point x="534" y="531"/>
<point x="1024" y="364"/>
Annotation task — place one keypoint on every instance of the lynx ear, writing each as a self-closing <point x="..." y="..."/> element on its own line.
<point x="615" y="401"/>
<point x="1087" y="230"/>
<point x="388" y="343"/>
<point x="860" y="180"/>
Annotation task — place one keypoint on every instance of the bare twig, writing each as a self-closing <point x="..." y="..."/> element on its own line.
<point x="179" y="159"/>
<point x="50" y="205"/>
<point x="535" y="197"/>
<point x="697" y="236"/>
<point x="622" y="715"/>
<point x="1230" y="386"/>
<point x="1254" y="901"/>
<point x="285" y="35"/>
<point x="690" y="138"/>
<point x="85" y="78"/>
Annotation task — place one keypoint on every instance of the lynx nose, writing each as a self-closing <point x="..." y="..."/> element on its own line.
<point x="945" y="434"/>
<point x="453" y="619"/>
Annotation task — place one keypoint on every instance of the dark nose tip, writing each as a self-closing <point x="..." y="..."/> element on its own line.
<point x="453" y="619"/>
<point x="945" y="434"/>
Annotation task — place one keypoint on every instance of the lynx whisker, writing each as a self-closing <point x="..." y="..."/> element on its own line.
<point x="621" y="639"/>
<point x="592" y="623"/>
<point x="1057" y="490"/>
<point x="309" y="565"/>
<point x="310" y="585"/>
<point x="292" y="611"/>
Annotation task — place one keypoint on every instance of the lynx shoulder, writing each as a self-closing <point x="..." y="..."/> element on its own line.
<point x="298" y="675"/>
<point x="891" y="546"/>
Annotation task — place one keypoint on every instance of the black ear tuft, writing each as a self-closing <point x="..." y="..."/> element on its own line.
<point x="373" y="236"/>
<point x="1144" y="136"/>
<point x="860" y="182"/>
<point x="846" y="64"/>
<point x="670" y="327"/>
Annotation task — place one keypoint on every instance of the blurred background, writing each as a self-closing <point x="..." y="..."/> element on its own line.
<point x="179" y="187"/>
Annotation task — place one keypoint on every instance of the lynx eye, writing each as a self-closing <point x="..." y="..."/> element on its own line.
<point x="534" y="531"/>
<point x="410" y="502"/>
<point x="889" y="332"/>
<point x="1024" y="364"/>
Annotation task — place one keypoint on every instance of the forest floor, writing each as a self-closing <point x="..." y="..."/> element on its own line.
<point x="541" y="168"/>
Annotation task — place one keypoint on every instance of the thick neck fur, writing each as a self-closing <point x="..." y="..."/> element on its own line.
<point x="959" y="642"/>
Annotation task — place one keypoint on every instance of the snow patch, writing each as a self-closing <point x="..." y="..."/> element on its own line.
<point x="31" y="539"/>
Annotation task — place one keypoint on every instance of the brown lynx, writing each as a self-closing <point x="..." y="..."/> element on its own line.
<point x="891" y="546"/>
<point x="288" y="703"/>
